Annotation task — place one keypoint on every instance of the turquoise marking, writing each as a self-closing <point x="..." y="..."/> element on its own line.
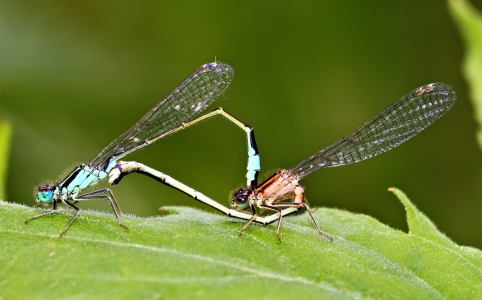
<point x="63" y="193"/>
<point x="254" y="163"/>
<point x="111" y="166"/>
<point x="91" y="180"/>
<point x="44" y="196"/>
<point x="251" y="175"/>
<point x="79" y="179"/>
<point x="102" y="175"/>
<point x="242" y="205"/>
<point x="86" y="176"/>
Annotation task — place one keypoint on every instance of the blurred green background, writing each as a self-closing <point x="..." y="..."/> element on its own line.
<point x="75" y="75"/>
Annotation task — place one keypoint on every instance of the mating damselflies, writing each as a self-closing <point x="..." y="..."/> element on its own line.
<point x="386" y="130"/>
<point x="174" y="113"/>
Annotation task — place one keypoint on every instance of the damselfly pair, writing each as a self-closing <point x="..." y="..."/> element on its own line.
<point x="388" y="129"/>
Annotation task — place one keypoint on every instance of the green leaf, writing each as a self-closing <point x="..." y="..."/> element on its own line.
<point x="469" y="22"/>
<point x="196" y="254"/>
<point x="5" y="133"/>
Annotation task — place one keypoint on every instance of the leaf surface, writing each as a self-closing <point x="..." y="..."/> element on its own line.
<point x="191" y="253"/>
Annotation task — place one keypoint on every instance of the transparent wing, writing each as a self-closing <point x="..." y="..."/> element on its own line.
<point x="185" y="102"/>
<point x="388" y="129"/>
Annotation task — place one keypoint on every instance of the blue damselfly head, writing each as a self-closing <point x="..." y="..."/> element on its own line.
<point x="44" y="193"/>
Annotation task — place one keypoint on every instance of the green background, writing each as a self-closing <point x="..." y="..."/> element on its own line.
<point x="73" y="76"/>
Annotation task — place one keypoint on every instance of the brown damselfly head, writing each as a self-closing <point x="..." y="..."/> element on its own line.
<point x="240" y="198"/>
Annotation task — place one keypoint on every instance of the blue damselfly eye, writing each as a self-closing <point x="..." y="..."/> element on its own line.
<point x="44" y="195"/>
